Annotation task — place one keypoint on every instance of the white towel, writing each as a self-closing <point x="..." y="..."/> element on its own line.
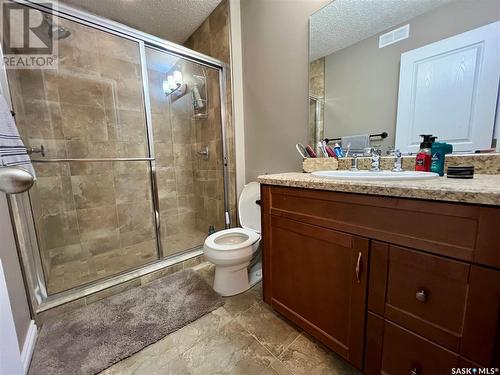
<point x="358" y="142"/>
<point x="12" y="150"/>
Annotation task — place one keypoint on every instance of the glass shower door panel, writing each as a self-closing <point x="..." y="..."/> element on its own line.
<point x="93" y="219"/>
<point x="188" y="150"/>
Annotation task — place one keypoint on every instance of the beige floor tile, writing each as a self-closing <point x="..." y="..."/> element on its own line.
<point x="277" y="368"/>
<point x="240" y="303"/>
<point x="306" y="356"/>
<point x="268" y="328"/>
<point x="257" y="290"/>
<point x="232" y="350"/>
<point x="207" y="272"/>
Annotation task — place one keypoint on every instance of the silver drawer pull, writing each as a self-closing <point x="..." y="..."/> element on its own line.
<point x="358" y="267"/>
<point x="421" y="296"/>
<point x="414" y="371"/>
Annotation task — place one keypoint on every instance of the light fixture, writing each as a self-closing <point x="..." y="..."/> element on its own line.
<point x="178" y="77"/>
<point x="173" y="82"/>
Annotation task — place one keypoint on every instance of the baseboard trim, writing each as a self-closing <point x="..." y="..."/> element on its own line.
<point x="29" y="346"/>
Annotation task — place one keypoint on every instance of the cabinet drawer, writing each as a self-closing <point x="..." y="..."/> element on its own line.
<point x="427" y="294"/>
<point x="407" y="353"/>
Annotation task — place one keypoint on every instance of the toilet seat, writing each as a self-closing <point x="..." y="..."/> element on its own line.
<point x="213" y="241"/>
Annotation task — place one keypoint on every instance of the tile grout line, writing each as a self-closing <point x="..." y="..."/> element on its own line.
<point x="277" y="358"/>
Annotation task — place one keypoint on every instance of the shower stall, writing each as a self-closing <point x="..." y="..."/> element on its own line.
<point x="128" y="140"/>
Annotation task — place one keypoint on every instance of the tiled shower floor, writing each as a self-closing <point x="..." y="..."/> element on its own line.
<point x="245" y="336"/>
<point x="70" y="274"/>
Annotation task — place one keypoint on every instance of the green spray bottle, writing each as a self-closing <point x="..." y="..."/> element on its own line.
<point x="438" y="152"/>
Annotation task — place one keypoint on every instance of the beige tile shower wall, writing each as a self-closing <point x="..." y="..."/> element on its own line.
<point x="213" y="38"/>
<point x="92" y="219"/>
<point x="316" y="89"/>
<point x="317" y="77"/>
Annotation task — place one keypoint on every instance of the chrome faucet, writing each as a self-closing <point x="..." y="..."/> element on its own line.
<point x="398" y="161"/>
<point x="375" y="160"/>
<point x="354" y="163"/>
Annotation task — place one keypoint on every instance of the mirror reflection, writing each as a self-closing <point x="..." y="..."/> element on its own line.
<point x="384" y="72"/>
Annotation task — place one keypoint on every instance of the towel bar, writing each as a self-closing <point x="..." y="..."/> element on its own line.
<point x="15" y="180"/>
<point x="382" y="135"/>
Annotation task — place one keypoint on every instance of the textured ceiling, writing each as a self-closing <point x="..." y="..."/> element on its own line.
<point x="345" y="22"/>
<point x="173" y="20"/>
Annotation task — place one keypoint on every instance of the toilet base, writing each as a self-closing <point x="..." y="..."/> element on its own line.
<point x="231" y="280"/>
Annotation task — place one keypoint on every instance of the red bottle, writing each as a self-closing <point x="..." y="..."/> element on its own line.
<point x="424" y="156"/>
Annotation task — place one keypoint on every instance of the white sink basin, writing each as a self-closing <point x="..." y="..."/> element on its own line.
<point x="368" y="175"/>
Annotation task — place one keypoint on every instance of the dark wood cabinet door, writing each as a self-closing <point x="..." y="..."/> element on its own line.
<point x="317" y="278"/>
<point x="481" y="337"/>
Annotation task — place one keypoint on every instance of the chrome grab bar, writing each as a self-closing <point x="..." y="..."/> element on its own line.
<point x="89" y="160"/>
<point x="15" y="180"/>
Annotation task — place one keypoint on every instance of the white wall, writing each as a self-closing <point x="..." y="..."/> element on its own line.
<point x="275" y="37"/>
<point x="237" y="84"/>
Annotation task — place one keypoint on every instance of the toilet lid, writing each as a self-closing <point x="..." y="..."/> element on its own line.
<point x="248" y="210"/>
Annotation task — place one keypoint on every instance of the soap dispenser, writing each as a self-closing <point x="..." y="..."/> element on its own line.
<point x="424" y="155"/>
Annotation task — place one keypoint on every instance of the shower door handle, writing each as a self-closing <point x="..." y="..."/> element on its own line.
<point x="15" y="180"/>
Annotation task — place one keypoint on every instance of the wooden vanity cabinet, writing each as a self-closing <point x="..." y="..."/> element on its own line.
<point x="394" y="285"/>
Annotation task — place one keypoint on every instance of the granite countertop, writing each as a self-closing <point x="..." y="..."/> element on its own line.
<point x="482" y="189"/>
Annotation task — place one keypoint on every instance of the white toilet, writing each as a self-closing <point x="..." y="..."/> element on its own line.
<point x="236" y="252"/>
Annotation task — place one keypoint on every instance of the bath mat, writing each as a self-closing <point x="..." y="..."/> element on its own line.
<point x="90" y="339"/>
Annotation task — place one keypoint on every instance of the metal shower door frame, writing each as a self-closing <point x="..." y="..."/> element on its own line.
<point x="20" y="206"/>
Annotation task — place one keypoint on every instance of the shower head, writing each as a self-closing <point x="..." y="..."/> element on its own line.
<point x="59" y="32"/>
<point x="56" y="32"/>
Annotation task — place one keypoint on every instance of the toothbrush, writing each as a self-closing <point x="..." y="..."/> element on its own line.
<point x="311" y="152"/>
<point x="321" y="148"/>
<point x="330" y="152"/>
<point x="348" y="148"/>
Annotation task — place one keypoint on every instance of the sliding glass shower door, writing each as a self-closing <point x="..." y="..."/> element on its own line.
<point x="92" y="203"/>
<point x="129" y="154"/>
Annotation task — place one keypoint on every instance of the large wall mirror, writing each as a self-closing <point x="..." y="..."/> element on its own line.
<point x="382" y="72"/>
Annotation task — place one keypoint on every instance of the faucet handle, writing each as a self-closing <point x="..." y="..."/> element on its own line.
<point x="354" y="162"/>
<point x="398" y="161"/>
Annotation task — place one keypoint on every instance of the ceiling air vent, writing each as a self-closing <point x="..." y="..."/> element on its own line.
<point x="394" y="36"/>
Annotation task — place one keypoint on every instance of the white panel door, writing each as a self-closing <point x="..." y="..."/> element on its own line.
<point x="449" y="89"/>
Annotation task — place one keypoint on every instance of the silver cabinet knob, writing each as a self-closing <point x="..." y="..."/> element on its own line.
<point x="414" y="371"/>
<point x="421" y="296"/>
